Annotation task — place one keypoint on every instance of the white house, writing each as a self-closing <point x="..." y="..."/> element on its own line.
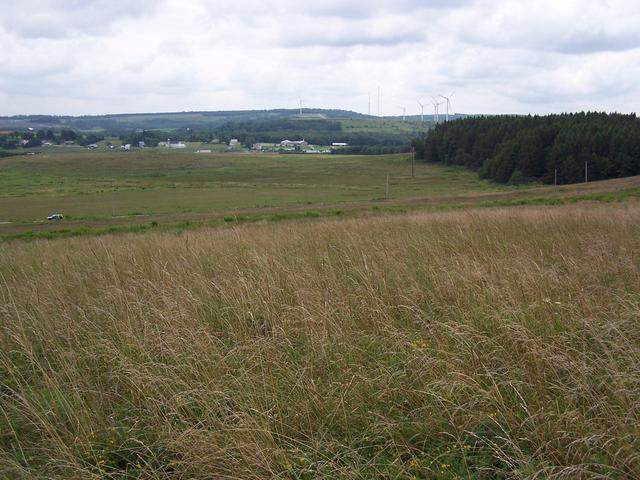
<point x="293" y="143"/>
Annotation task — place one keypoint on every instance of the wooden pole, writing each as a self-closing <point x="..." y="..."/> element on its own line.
<point x="555" y="177"/>
<point x="387" y="188"/>
<point x="413" y="162"/>
<point x="586" y="177"/>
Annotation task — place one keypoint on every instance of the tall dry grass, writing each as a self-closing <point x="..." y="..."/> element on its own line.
<point x="485" y="344"/>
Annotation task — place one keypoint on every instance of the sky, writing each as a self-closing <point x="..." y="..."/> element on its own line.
<point x="77" y="57"/>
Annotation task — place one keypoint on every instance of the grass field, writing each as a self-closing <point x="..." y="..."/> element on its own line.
<point x="485" y="343"/>
<point x="347" y="341"/>
<point x="102" y="192"/>
<point x="107" y="186"/>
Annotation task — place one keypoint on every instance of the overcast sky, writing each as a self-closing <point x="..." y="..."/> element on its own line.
<point x="500" y="56"/>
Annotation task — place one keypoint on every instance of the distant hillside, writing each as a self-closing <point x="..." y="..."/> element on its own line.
<point x="364" y="134"/>
<point x="518" y="149"/>
<point x="168" y="120"/>
<point x="176" y="120"/>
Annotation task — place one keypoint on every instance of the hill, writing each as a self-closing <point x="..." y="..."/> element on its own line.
<point x="162" y="120"/>
<point x="364" y="134"/>
<point x="175" y="120"/>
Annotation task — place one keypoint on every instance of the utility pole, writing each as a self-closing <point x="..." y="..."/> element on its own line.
<point x="413" y="162"/>
<point x="386" y="195"/>
<point x="555" y="177"/>
<point x="379" y="109"/>
<point x="586" y="176"/>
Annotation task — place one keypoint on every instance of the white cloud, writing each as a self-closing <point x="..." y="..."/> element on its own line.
<point x="102" y="56"/>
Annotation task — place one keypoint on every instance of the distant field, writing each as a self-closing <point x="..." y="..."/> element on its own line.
<point x="385" y="125"/>
<point x="97" y="185"/>
<point x="110" y="191"/>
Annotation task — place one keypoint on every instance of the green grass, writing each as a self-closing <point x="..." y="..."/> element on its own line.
<point x="93" y="185"/>
<point x="102" y="192"/>
<point x="384" y="126"/>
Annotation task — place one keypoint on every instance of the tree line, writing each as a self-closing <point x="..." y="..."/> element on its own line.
<point x="31" y="139"/>
<point x="518" y="149"/>
<point x="318" y="132"/>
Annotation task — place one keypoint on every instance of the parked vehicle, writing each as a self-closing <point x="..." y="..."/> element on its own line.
<point x="55" y="216"/>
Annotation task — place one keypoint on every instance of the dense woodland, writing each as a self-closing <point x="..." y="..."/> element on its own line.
<point x="520" y="149"/>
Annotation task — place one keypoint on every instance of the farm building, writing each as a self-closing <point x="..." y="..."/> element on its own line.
<point x="293" y="143"/>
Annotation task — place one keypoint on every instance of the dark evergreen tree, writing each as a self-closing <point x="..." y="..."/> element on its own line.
<point x="525" y="148"/>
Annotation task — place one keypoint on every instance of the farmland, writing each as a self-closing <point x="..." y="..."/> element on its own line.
<point x="107" y="188"/>
<point x="107" y="191"/>
<point x="456" y="329"/>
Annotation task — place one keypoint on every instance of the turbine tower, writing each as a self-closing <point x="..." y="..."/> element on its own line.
<point x="448" y="100"/>
<point x="421" y="111"/>
<point x="300" y="98"/>
<point x="436" y="106"/>
<point x="404" y="112"/>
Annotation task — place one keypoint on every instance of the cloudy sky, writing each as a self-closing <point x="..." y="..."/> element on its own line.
<point x="499" y="56"/>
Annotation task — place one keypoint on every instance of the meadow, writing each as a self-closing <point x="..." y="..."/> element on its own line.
<point x="276" y="316"/>
<point x="483" y="343"/>
<point x="107" y="188"/>
<point x="112" y="191"/>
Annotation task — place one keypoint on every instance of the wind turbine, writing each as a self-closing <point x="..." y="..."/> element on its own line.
<point x="436" y="106"/>
<point x="421" y="111"/>
<point x="404" y="112"/>
<point x="448" y="100"/>
<point x="300" y="98"/>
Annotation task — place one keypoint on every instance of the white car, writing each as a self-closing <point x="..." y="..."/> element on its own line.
<point x="55" y="216"/>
